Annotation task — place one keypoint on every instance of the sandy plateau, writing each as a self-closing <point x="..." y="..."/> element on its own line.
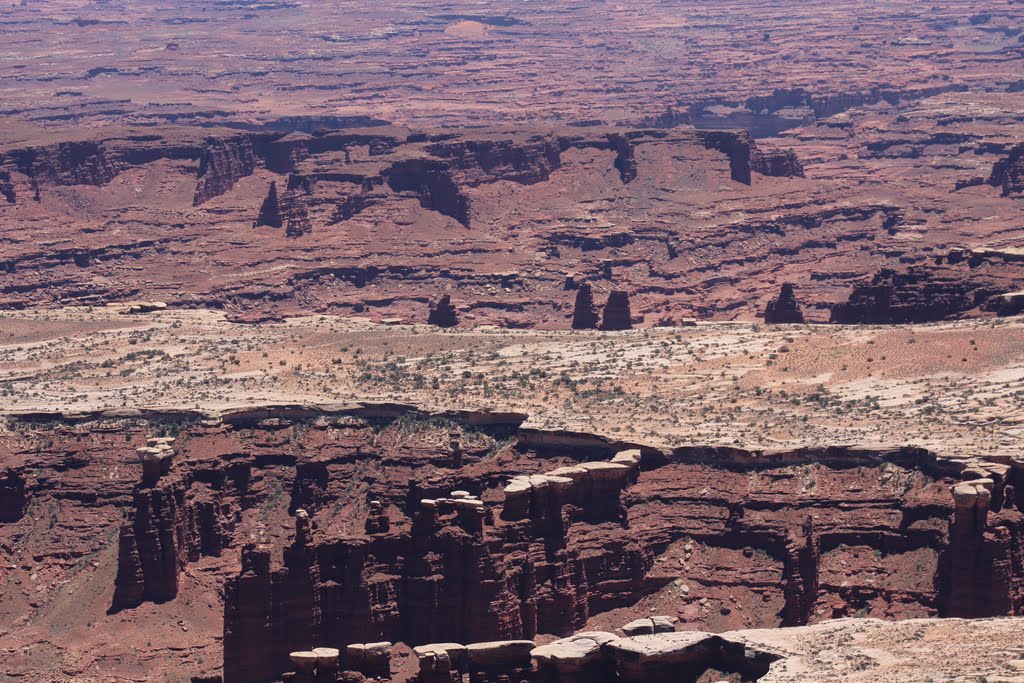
<point x="956" y="388"/>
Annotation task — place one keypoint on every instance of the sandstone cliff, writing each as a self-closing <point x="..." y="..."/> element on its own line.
<point x="426" y="529"/>
<point x="222" y="162"/>
<point x="1008" y="173"/>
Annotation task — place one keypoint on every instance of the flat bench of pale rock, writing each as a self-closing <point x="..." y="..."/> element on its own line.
<point x="574" y="655"/>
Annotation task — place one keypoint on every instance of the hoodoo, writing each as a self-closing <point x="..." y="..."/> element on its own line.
<point x="270" y="210"/>
<point x="784" y="309"/>
<point x="584" y="314"/>
<point x="442" y="313"/>
<point x="617" y="315"/>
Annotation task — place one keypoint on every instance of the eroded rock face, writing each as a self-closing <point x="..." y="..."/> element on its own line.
<point x="174" y="520"/>
<point x="222" y="163"/>
<point x="367" y="178"/>
<point x="7" y="187"/>
<point x="159" y="536"/>
<point x="904" y="297"/>
<point x="983" y="555"/>
<point x="1008" y="173"/>
<point x="68" y="163"/>
<point x="295" y="207"/>
<point x="776" y="162"/>
<point x="784" y="309"/>
<point x="13" y="496"/>
<point x="960" y="283"/>
<point x="737" y="146"/>
<point x="434" y="185"/>
<point x="457" y="536"/>
<point x="395" y="536"/>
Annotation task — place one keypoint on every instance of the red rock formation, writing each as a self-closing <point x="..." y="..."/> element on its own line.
<point x="351" y="206"/>
<point x="528" y="161"/>
<point x="983" y="556"/>
<point x="270" y="209"/>
<point x="776" y="162"/>
<point x="785" y="108"/>
<point x="7" y="187"/>
<point x="155" y="544"/>
<point x="130" y="583"/>
<point x="222" y="162"/>
<point x="584" y="314"/>
<point x="454" y="570"/>
<point x="174" y="520"/>
<point x="13" y="496"/>
<point x="616" y="315"/>
<point x="372" y="174"/>
<point x="67" y="163"/>
<point x="784" y="309"/>
<point x="442" y="313"/>
<point x="800" y="574"/>
<point x="432" y="183"/>
<point x="1008" y="173"/>
<point x="250" y="632"/>
<point x="625" y="159"/>
<point x="411" y="539"/>
<point x="737" y="146"/>
<point x="284" y="154"/>
<point x="746" y="157"/>
<point x="911" y="296"/>
<point x="294" y="207"/>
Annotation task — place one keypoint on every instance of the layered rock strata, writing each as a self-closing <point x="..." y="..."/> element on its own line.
<point x="463" y="565"/>
<point x="395" y="207"/>
<point x="397" y="535"/>
<point x="222" y="163"/>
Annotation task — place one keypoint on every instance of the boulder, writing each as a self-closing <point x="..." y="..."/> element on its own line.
<point x="371" y="659"/>
<point x="601" y="471"/>
<point x="672" y="656"/>
<point x="304" y="661"/>
<point x="440" y="658"/>
<point x="650" y="625"/>
<point x="156" y="462"/>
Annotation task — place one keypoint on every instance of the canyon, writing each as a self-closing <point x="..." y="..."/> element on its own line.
<point x="212" y="543"/>
<point x="381" y="524"/>
<point x="508" y="342"/>
<point x="841" y="151"/>
<point x="381" y="221"/>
